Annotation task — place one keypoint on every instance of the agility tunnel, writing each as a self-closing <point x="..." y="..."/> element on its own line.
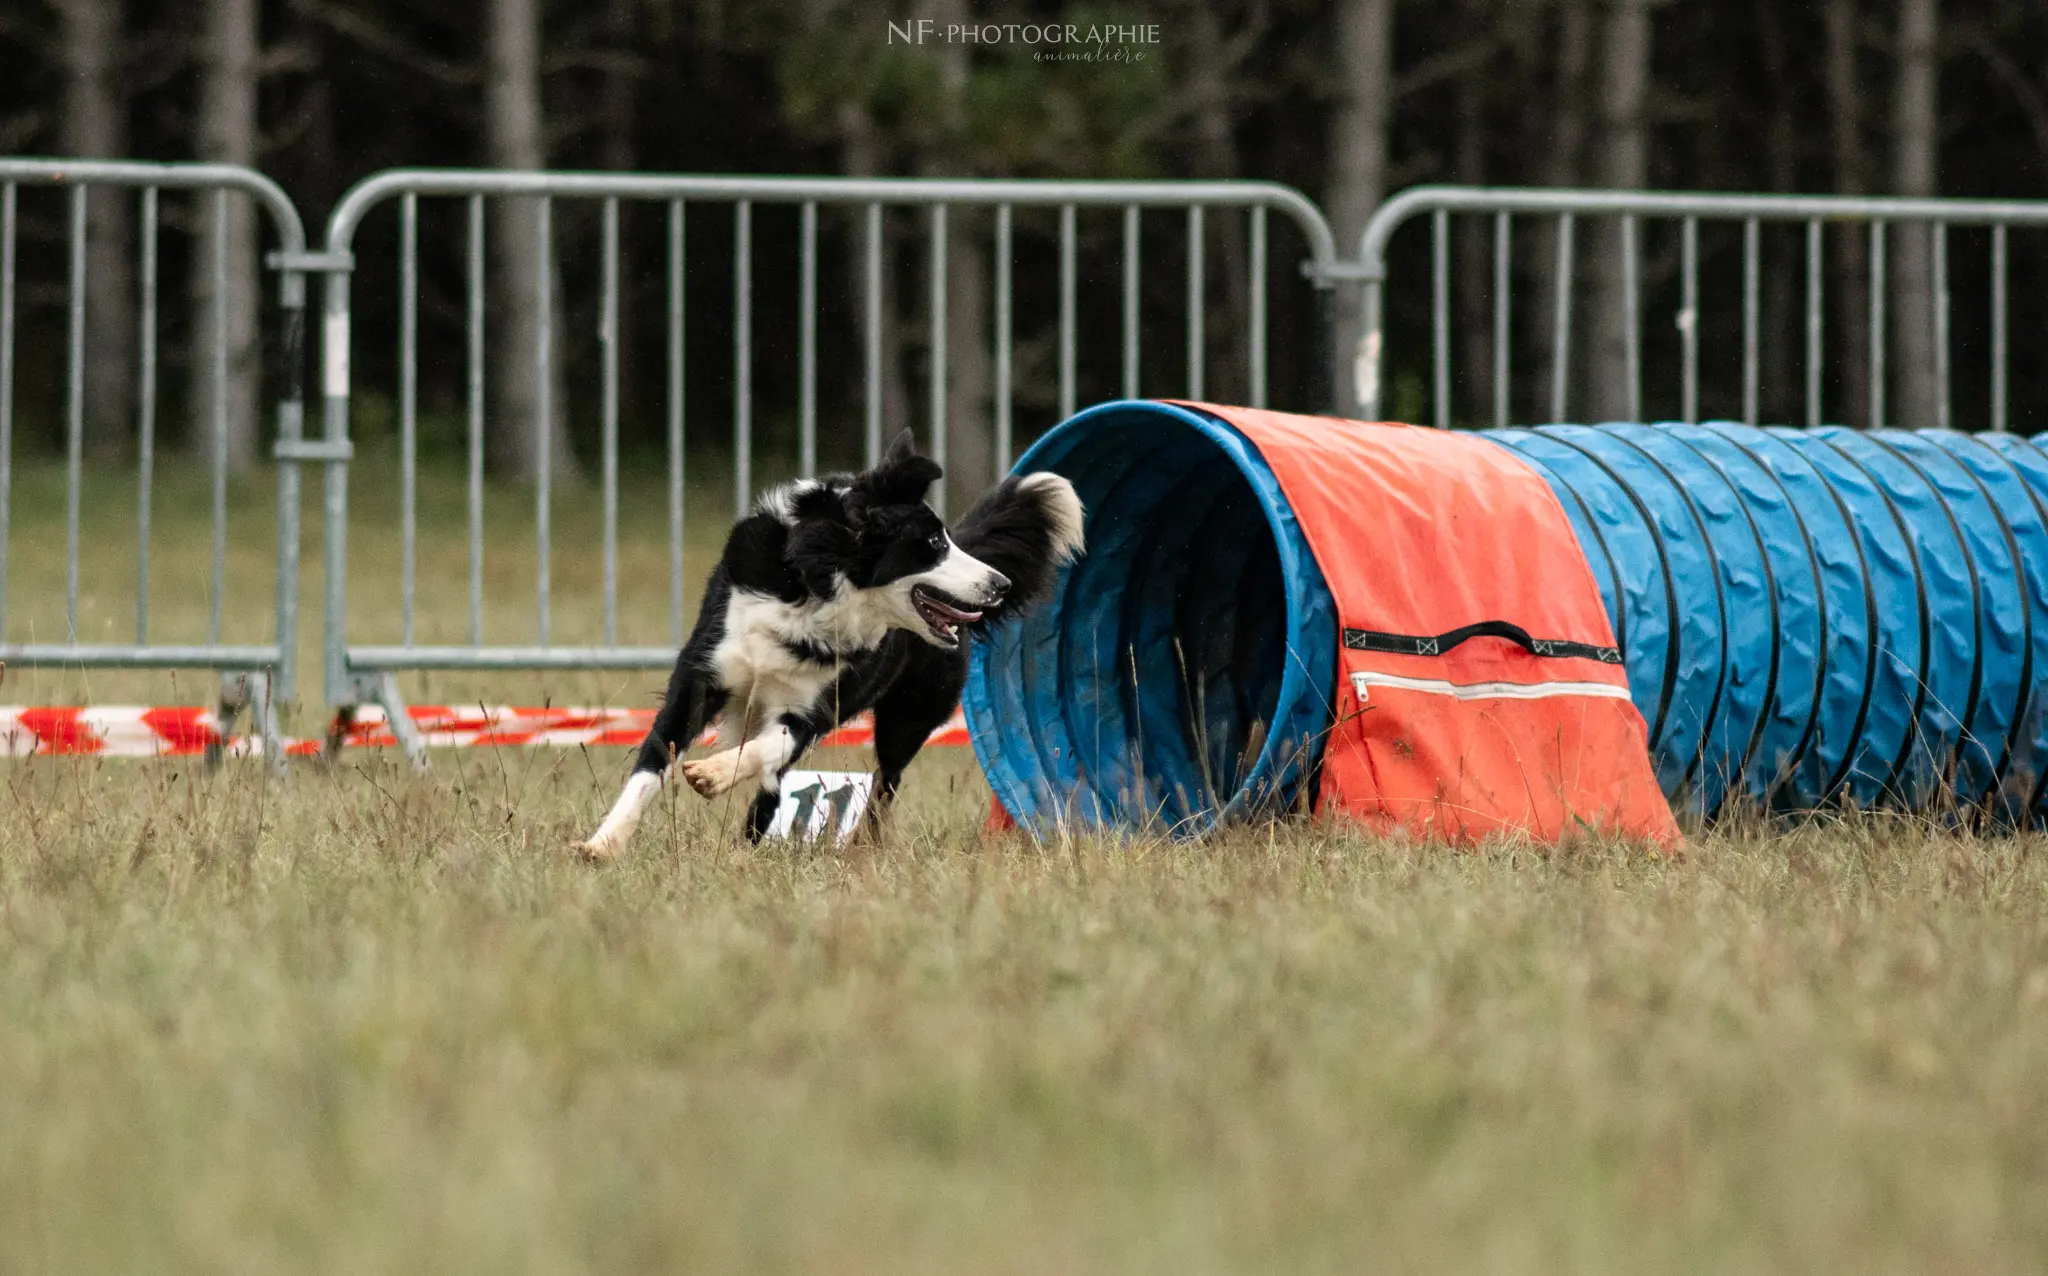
<point x="1437" y="629"/>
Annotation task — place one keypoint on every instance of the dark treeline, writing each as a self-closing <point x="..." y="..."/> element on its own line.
<point x="1346" y="99"/>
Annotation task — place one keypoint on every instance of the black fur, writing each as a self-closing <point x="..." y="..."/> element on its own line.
<point x="869" y="530"/>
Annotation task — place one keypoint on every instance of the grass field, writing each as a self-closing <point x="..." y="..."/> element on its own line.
<point x="364" y="1020"/>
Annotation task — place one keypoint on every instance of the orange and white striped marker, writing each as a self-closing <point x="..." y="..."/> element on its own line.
<point x="127" y="731"/>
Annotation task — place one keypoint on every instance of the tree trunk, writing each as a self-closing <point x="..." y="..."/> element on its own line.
<point x="970" y="450"/>
<point x="1851" y="278"/>
<point x="970" y="462"/>
<point x="513" y="124"/>
<point x="95" y="126"/>
<point x="1624" y="165"/>
<point x="1564" y="167"/>
<point x="316" y="158"/>
<point x="1779" y="399"/>
<point x="618" y="109"/>
<point x="861" y="155"/>
<point x="227" y="135"/>
<point x="1474" y="247"/>
<point x="1226" y="372"/>
<point x="1915" y="135"/>
<point x="1358" y="158"/>
<point x="620" y="104"/>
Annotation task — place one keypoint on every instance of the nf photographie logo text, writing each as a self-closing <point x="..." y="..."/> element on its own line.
<point x="926" y="31"/>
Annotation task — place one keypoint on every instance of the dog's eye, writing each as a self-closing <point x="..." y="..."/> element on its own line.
<point x="939" y="540"/>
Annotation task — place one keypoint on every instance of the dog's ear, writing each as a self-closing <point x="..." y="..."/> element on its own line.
<point x="901" y="478"/>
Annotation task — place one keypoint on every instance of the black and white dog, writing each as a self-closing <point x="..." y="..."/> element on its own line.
<point x="837" y="595"/>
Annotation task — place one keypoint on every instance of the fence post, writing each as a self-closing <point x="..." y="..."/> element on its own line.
<point x="291" y="421"/>
<point x="334" y="392"/>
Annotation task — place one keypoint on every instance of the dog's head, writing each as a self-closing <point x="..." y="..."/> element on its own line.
<point x="873" y="536"/>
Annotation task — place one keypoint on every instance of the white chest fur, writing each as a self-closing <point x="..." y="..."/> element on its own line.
<point x="756" y="665"/>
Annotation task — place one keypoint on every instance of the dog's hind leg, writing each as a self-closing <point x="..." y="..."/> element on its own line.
<point x="762" y="813"/>
<point x="692" y="700"/>
<point x="905" y="718"/>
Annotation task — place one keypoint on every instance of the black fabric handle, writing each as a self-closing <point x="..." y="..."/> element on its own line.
<point x="1418" y="645"/>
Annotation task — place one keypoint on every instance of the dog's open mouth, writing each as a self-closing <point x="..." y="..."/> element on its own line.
<point x="941" y="614"/>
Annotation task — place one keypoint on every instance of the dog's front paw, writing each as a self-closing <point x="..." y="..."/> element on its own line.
<point x="713" y="775"/>
<point x="598" y="849"/>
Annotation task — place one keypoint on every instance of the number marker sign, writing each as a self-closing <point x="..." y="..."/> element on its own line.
<point x="821" y="805"/>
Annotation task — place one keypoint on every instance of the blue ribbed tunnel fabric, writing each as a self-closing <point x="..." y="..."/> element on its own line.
<point x="1807" y="616"/>
<point x="1814" y="615"/>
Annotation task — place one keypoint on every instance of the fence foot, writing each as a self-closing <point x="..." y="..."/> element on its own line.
<point x="380" y="689"/>
<point x="407" y="734"/>
<point x="247" y="689"/>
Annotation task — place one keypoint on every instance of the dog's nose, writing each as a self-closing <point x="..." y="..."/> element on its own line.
<point x="998" y="585"/>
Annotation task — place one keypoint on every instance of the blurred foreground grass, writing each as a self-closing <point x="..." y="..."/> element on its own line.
<point x="371" y="1021"/>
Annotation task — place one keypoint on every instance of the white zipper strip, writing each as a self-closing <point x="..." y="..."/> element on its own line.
<point x="1362" y="683"/>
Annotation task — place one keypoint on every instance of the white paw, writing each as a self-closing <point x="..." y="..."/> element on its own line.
<point x="714" y="775"/>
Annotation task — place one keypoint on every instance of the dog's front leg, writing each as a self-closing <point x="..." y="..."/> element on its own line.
<point x="761" y="762"/>
<point x="691" y="701"/>
<point x="617" y="829"/>
<point x="756" y="761"/>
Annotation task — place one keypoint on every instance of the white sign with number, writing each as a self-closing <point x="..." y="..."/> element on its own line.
<point x="821" y="805"/>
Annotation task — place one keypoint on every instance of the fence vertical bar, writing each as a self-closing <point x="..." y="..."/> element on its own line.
<point x="1502" y="312"/>
<point x="938" y="339"/>
<point x="1561" y="319"/>
<point x="334" y="386"/>
<point x="220" y="413"/>
<point x="1258" y="308"/>
<point x="1689" y="318"/>
<point x="608" y="347"/>
<point x="1877" y="325"/>
<point x="676" y="385"/>
<point x="291" y="432"/>
<point x="1440" y="315"/>
<point x="145" y="424"/>
<point x="1815" y="319"/>
<point x="1632" y="317"/>
<point x="543" y="417"/>
<point x="1752" y="248"/>
<point x="74" y="424"/>
<point x="1066" y="311"/>
<point x="475" y="394"/>
<point x="408" y="406"/>
<point x="1937" y="234"/>
<point x="1196" y="315"/>
<point x="874" y="334"/>
<point x="1131" y="315"/>
<point x="1998" y="330"/>
<point x="807" y="344"/>
<point x="1003" y="340"/>
<point x="742" y="356"/>
<point x="7" y="236"/>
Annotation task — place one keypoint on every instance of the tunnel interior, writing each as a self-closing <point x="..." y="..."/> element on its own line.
<point x="1180" y="674"/>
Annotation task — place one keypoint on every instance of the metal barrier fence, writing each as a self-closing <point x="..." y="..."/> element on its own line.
<point x="1752" y="212"/>
<point x="358" y="672"/>
<point x="254" y="674"/>
<point x="362" y="673"/>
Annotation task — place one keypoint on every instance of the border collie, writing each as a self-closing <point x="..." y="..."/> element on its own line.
<point x="836" y="595"/>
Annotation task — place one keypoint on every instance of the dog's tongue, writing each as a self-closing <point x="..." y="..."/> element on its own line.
<point x="955" y="614"/>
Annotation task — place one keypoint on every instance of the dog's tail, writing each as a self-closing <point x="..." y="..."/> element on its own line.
<point x="1027" y="528"/>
